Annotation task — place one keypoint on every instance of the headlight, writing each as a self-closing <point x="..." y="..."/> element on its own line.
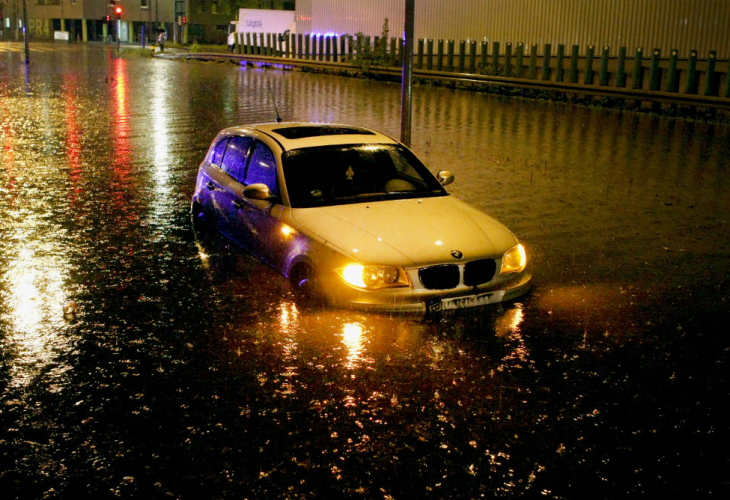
<point x="373" y="277"/>
<point x="514" y="260"/>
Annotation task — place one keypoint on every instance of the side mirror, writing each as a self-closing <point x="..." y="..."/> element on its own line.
<point x="445" y="177"/>
<point x="257" y="191"/>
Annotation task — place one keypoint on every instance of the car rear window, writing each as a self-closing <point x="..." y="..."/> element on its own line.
<point x="337" y="175"/>
<point x="304" y="132"/>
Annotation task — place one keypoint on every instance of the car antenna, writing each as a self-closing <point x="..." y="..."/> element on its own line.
<point x="278" y="118"/>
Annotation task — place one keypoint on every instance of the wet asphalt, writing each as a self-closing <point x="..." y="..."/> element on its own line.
<point x="187" y="369"/>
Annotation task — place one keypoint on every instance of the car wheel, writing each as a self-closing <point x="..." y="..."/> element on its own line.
<point x="203" y="222"/>
<point x="305" y="285"/>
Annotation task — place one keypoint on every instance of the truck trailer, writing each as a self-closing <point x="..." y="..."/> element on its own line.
<point x="282" y="22"/>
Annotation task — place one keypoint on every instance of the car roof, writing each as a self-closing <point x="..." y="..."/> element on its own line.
<point x="297" y="135"/>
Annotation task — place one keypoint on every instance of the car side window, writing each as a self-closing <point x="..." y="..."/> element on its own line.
<point x="217" y="154"/>
<point x="262" y="168"/>
<point x="234" y="159"/>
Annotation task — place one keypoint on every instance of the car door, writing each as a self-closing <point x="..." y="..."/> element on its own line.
<point x="262" y="216"/>
<point x="229" y="196"/>
<point x="209" y="178"/>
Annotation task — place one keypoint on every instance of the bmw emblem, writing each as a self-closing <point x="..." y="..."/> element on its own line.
<point x="456" y="254"/>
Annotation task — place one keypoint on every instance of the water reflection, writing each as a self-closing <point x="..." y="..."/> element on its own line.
<point x="34" y="282"/>
<point x="193" y="360"/>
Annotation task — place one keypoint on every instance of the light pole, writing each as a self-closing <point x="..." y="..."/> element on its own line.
<point x="25" y="32"/>
<point x="407" y="80"/>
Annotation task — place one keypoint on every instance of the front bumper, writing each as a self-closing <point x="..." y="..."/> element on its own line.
<point x="418" y="300"/>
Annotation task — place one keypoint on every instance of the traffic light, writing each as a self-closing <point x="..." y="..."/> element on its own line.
<point x="185" y="19"/>
<point x="118" y="11"/>
<point x="108" y="18"/>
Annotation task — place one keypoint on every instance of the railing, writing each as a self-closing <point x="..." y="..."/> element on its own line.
<point x="598" y="70"/>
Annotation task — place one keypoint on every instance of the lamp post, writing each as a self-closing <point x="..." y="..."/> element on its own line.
<point x="25" y="32"/>
<point x="407" y="80"/>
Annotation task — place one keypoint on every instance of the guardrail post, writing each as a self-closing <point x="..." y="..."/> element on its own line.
<point x="307" y="46"/>
<point x="655" y="76"/>
<point x="328" y="48"/>
<point x="429" y="54"/>
<point x="450" y="57"/>
<point x="559" y="71"/>
<point x="588" y="74"/>
<point x="321" y="46"/>
<point x="483" y="57"/>
<point x="603" y="71"/>
<point x="710" y="75"/>
<point x="335" y="54"/>
<point x="419" y="63"/>
<point x="691" y="87"/>
<point x="518" y="59"/>
<point x="546" y="56"/>
<point x="300" y="44"/>
<point x="508" y="59"/>
<point x="288" y="45"/>
<point x="440" y="61"/>
<point x="532" y="73"/>
<point x="574" y="64"/>
<point x="638" y="69"/>
<point x="621" y="67"/>
<point x="236" y="42"/>
<point x="672" y="78"/>
<point x="472" y="56"/>
<point x="495" y="58"/>
<point x="462" y="56"/>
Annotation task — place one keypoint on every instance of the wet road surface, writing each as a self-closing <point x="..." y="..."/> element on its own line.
<point x="187" y="369"/>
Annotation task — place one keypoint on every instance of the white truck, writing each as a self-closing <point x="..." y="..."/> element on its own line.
<point x="261" y="21"/>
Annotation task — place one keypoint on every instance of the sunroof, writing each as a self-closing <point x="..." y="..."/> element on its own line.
<point x="303" y="132"/>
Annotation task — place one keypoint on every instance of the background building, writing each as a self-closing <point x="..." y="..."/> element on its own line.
<point x="700" y="25"/>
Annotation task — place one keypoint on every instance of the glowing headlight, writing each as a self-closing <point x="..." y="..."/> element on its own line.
<point x="514" y="260"/>
<point x="373" y="277"/>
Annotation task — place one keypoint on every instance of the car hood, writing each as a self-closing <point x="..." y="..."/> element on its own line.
<point x="407" y="232"/>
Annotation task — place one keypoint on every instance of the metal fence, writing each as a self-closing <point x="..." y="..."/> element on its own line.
<point x="561" y="65"/>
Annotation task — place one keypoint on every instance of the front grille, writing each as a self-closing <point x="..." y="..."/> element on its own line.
<point x="440" y="277"/>
<point x="448" y="276"/>
<point x="478" y="272"/>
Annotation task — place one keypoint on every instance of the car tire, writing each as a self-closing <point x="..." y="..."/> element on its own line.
<point x="203" y="222"/>
<point x="305" y="285"/>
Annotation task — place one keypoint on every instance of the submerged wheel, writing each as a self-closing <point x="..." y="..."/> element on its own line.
<point x="203" y="222"/>
<point x="305" y="286"/>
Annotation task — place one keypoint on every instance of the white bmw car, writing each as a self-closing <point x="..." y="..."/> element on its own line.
<point x="350" y="215"/>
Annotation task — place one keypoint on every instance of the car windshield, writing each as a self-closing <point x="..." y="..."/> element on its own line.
<point x="337" y="175"/>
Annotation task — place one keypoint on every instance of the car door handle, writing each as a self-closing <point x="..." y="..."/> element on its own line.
<point x="210" y="186"/>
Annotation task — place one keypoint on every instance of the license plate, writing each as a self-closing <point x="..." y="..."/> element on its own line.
<point x="435" y="305"/>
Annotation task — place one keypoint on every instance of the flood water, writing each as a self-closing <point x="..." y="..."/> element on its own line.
<point x="188" y="370"/>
